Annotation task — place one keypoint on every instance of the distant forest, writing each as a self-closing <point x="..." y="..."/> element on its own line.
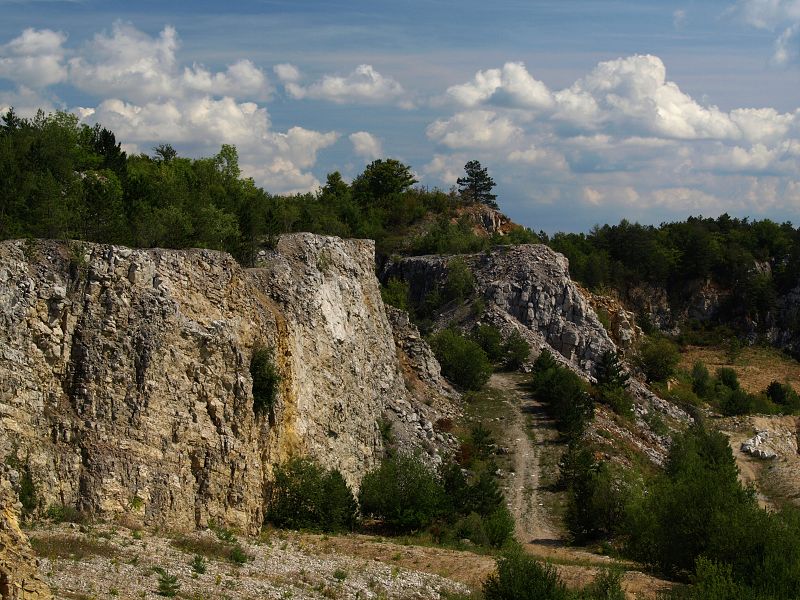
<point x="63" y="179"/>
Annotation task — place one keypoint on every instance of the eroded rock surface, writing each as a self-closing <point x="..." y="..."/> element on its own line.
<point x="125" y="387"/>
<point x="527" y="286"/>
<point x="19" y="574"/>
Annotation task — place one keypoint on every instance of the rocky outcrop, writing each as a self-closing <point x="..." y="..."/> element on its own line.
<point x="125" y="388"/>
<point x="526" y="287"/>
<point x="619" y="322"/>
<point x="19" y="574"/>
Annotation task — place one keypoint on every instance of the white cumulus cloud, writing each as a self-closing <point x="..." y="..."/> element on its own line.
<point x="511" y="85"/>
<point x="34" y="59"/>
<point x="366" y="145"/>
<point x="362" y="85"/>
<point x="473" y="129"/>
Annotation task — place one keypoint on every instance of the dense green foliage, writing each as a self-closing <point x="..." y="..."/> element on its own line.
<point x="724" y="392"/>
<point x="697" y="518"/>
<point x="510" y="353"/>
<point x="463" y="361"/>
<point x="566" y="395"/>
<point x="304" y="495"/>
<point x="658" y="358"/>
<point x="62" y="179"/>
<point x="265" y="380"/>
<point x="402" y="492"/>
<point x="519" y="576"/>
<point x="676" y="256"/>
<point x="406" y="495"/>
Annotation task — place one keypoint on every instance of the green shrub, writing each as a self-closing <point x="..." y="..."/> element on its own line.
<point x="596" y="499"/>
<point x="521" y="577"/>
<point x="305" y="495"/>
<point x="702" y="383"/>
<point x="609" y="371"/>
<point x="265" y="380"/>
<point x="198" y="564"/>
<point x="728" y="377"/>
<point x="658" y="358"/>
<point x="460" y="281"/>
<point x="606" y="586"/>
<point x="516" y="351"/>
<point x="499" y="526"/>
<point x="784" y="395"/>
<point x="403" y="493"/>
<point x="463" y="361"/>
<point x="565" y="394"/>
<point x="736" y="402"/>
<point x="168" y="585"/>
<point x="490" y="340"/>
<point x="396" y="293"/>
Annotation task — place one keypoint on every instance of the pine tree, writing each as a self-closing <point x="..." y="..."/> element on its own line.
<point x="477" y="185"/>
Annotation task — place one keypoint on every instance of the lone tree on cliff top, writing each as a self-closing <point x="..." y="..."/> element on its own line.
<point x="477" y="185"/>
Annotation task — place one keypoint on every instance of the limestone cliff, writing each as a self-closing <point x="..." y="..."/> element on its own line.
<point x="125" y="387"/>
<point x="525" y="287"/>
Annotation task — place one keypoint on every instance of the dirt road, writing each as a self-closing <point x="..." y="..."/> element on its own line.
<point x="529" y="433"/>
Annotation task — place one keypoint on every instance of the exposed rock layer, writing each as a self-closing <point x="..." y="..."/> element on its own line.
<point x="125" y="386"/>
<point x="19" y="575"/>
<point x="528" y="286"/>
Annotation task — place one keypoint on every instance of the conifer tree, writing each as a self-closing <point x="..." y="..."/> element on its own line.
<point x="477" y="185"/>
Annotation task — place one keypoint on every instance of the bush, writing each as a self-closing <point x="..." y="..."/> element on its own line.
<point x="403" y="493"/>
<point x="516" y="351"/>
<point x="565" y="394"/>
<point x="460" y="281"/>
<point x="490" y="340"/>
<point x="597" y="497"/>
<point x="521" y="577"/>
<point x="784" y="395"/>
<point x="702" y="383"/>
<point x="395" y="293"/>
<point x="728" y="378"/>
<point x="265" y="380"/>
<point x="499" y="526"/>
<point x="463" y="361"/>
<point x="658" y="358"/>
<point x="736" y="402"/>
<point x="606" y="586"/>
<point x="304" y="495"/>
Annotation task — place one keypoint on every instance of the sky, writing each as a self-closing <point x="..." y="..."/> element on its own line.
<point x="583" y="111"/>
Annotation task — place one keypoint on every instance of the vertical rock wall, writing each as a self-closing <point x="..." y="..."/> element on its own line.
<point x="125" y="387"/>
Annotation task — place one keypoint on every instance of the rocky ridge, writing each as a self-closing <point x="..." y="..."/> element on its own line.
<point x="527" y="287"/>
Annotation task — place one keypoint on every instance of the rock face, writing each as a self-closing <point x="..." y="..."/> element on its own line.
<point x="526" y="287"/>
<point x="19" y="575"/>
<point x="125" y="388"/>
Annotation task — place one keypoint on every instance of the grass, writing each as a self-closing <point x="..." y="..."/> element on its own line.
<point x="65" y="546"/>
<point x="213" y="549"/>
<point x="756" y="366"/>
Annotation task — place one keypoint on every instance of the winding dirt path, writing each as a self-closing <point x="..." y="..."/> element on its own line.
<point x="526" y="441"/>
<point x="529" y="432"/>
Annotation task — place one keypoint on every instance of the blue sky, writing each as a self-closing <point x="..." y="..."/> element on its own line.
<point x="583" y="111"/>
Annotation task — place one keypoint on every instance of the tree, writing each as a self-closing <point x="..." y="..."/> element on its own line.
<point x="477" y="185"/>
<point x="381" y="180"/>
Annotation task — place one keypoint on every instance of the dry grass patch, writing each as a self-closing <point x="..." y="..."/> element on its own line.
<point x="211" y="548"/>
<point x="67" y="546"/>
<point x="756" y="366"/>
